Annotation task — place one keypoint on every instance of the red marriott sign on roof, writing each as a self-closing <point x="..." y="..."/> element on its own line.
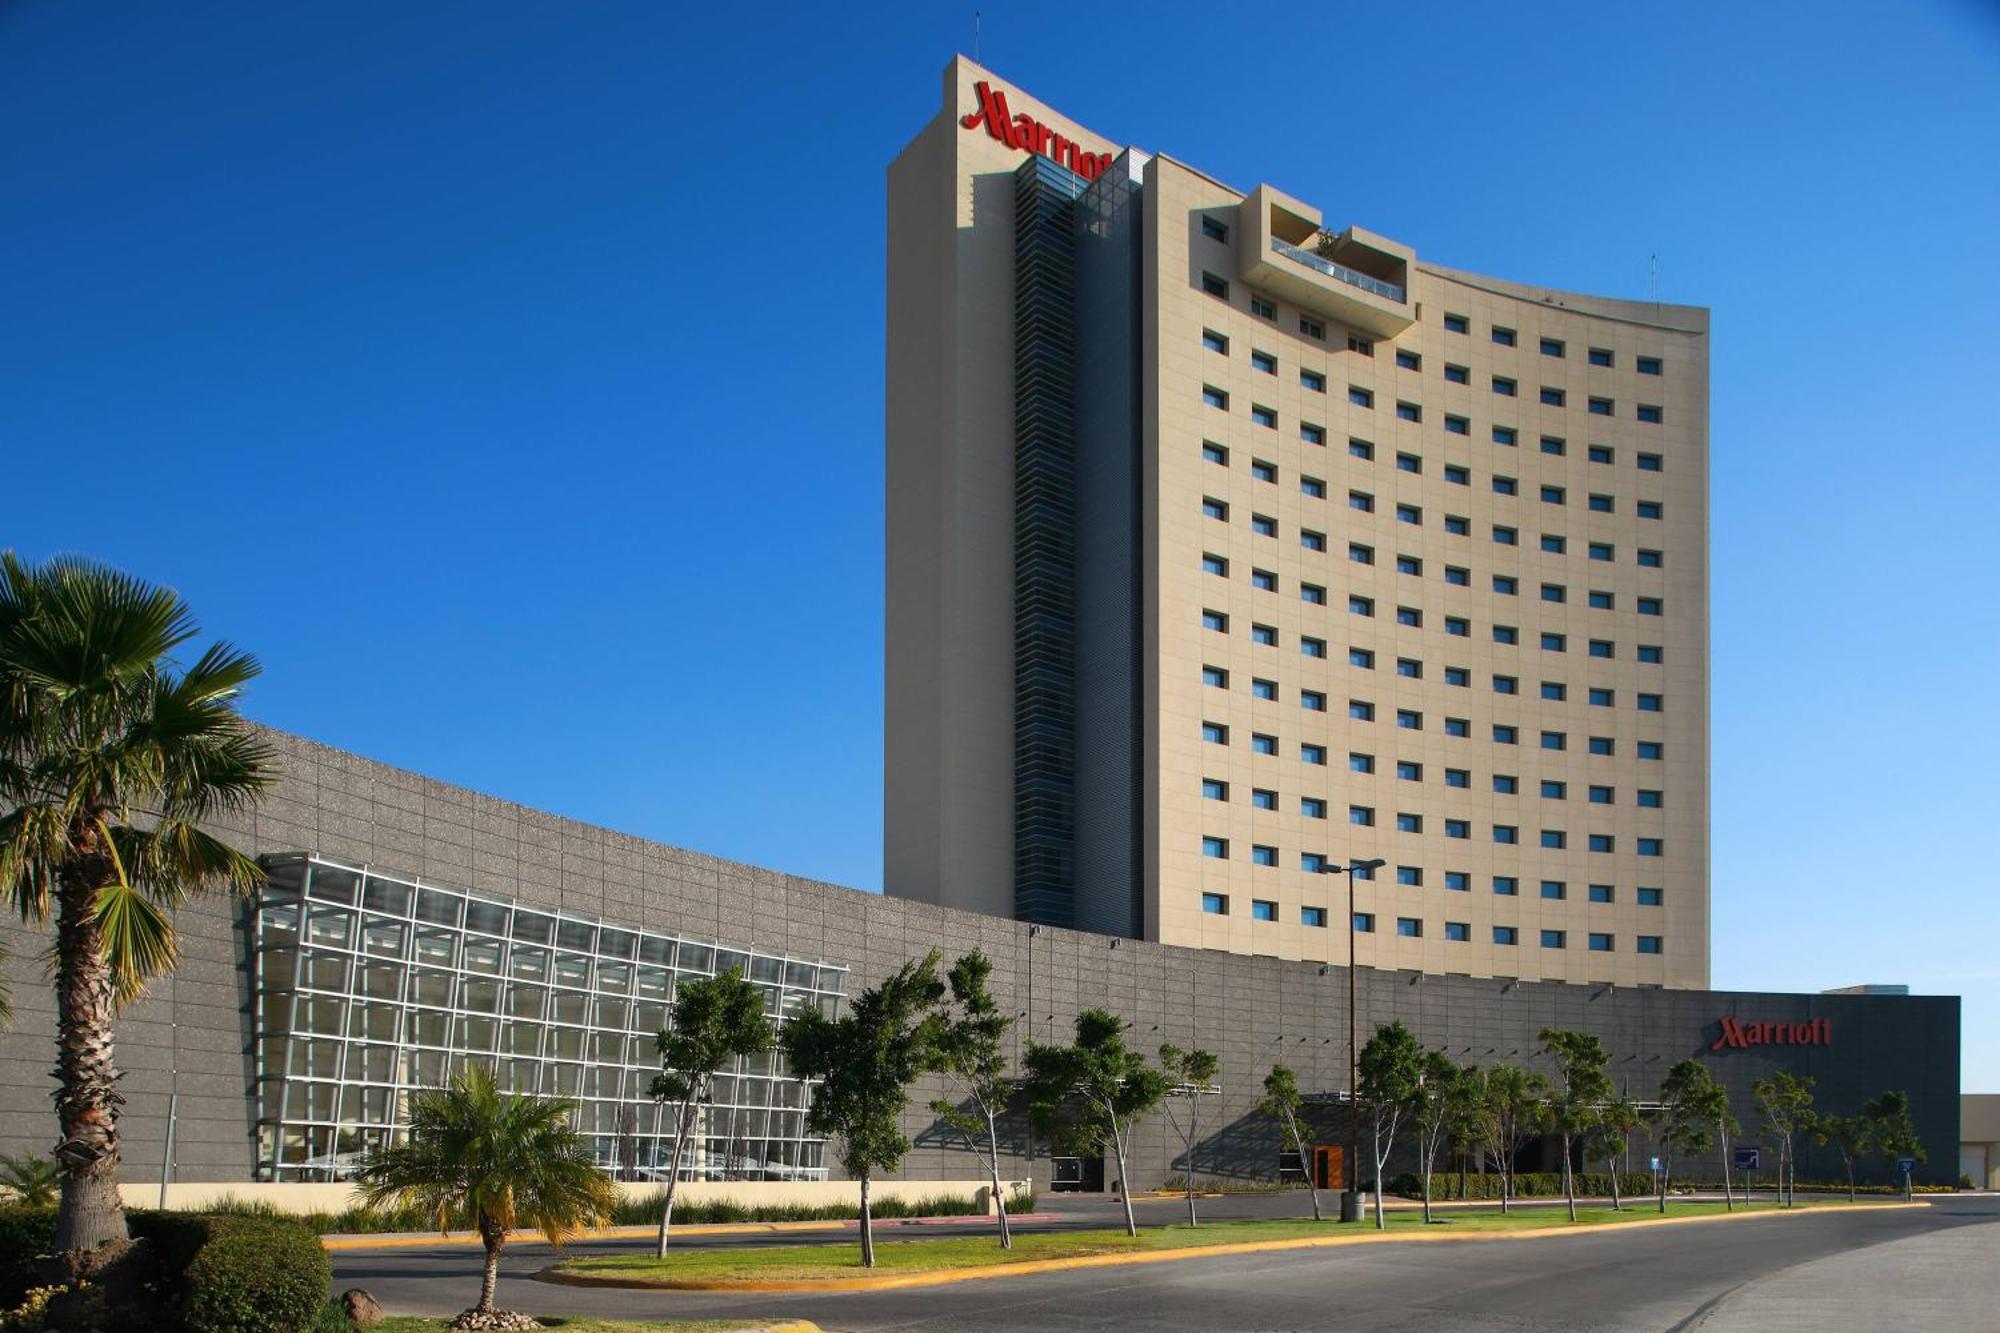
<point x="1023" y="131"/>
<point x="1738" y="1035"/>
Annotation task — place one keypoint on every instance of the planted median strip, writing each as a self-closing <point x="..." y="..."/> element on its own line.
<point x="959" y="1258"/>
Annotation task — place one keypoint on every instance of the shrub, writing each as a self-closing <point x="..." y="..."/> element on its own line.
<point x="236" y="1272"/>
<point x="645" y="1210"/>
<point x="1527" y="1184"/>
<point x="25" y="1233"/>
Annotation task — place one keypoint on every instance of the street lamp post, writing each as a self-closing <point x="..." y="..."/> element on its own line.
<point x="1350" y="1198"/>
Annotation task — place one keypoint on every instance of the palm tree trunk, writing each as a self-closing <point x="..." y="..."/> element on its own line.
<point x="495" y="1237"/>
<point x="91" y="1213"/>
<point x="999" y="1195"/>
<point x="867" y="1226"/>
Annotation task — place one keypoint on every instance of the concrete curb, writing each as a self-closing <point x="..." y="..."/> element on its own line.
<point x="942" y="1277"/>
<point x="400" y="1240"/>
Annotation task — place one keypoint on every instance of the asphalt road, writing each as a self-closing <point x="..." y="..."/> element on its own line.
<point x="1934" y="1267"/>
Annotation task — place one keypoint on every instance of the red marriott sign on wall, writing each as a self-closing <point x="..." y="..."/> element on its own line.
<point x="1738" y="1035"/>
<point x="1023" y="131"/>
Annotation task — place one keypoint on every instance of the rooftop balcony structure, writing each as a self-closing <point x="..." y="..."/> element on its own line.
<point x="1354" y="278"/>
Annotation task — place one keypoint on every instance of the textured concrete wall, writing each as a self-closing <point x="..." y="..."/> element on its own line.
<point x="1250" y="1011"/>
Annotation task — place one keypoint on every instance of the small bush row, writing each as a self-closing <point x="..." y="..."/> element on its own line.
<point x="1527" y="1184"/>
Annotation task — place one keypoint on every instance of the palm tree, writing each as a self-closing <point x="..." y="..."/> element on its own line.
<point x="111" y="759"/>
<point x="28" y="1180"/>
<point x="481" y="1158"/>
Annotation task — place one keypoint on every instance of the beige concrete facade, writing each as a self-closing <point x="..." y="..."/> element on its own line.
<point x="1325" y="464"/>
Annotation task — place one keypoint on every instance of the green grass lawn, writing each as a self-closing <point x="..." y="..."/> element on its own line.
<point x="806" y="1262"/>
<point x="413" y="1324"/>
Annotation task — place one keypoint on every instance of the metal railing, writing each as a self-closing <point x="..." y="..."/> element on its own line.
<point x="1339" y="272"/>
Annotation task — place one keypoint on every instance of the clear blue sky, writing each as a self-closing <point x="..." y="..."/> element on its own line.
<point x="509" y="377"/>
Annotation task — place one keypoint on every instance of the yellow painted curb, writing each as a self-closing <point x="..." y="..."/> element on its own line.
<point x="949" y="1275"/>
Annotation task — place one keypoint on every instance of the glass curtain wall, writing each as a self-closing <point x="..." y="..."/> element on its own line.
<point x="370" y="985"/>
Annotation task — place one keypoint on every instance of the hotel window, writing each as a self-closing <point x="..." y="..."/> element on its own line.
<point x="1554" y="495"/>
<point x="1552" y="347"/>
<point x="1650" y="463"/>
<point x="1214" y="508"/>
<point x="1360" y="763"/>
<point x="1409" y="927"/>
<point x="1311" y="647"/>
<point x="1264" y="635"/>
<point x="1457" y="324"/>
<point x="1506" y="833"/>
<point x="1651" y="703"/>
<point x="1410" y="876"/>
<point x="1651" y="560"/>
<point x="1312" y="488"/>
<point x="1555" y="643"/>
<point x="1553" y="939"/>
<point x="1650" y="846"/>
<point x="1603" y="504"/>
<point x="1364" y="923"/>
<point x="1312" y="328"/>
<point x="1457" y="777"/>
<point x="1262" y="471"/>
<point x="1409" y="564"/>
<point x="1215" y="231"/>
<point x="1601" y="697"/>
<point x="1263" y="525"/>
<point x="1313" y="701"/>
<point x="1506" y="435"/>
<point x="1216" y="849"/>
<point x="1603" y="843"/>
<point x="1262" y="309"/>
<point x="1214" y="286"/>
<point x="1457" y="374"/>
<point x="1603" y="648"/>
<point x="1456" y="475"/>
<point x="1361" y="500"/>
<point x="1312" y="594"/>
<point x="1457" y="881"/>
<point x="1215" y="564"/>
<point x="1214" y="397"/>
<point x="1360" y="449"/>
<point x="1409" y="412"/>
<point x="1555" y="889"/>
<point x="1603" y="745"/>
<point x="1409" y="463"/>
<point x="1412" y="618"/>
<point x="1312" y="807"/>
<point x="1554" y="446"/>
<point x="1360" y="346"/>
<point x="1261" y="855"/>
<point x="1649" y="606"/>
<point x="1652" y="750"/>
<point x="1601" y="453"/>
<point x="1649" y="944"/>
<point x="1506" y="685"/>
<point x="1647" y="365"/>
<point x="1409" y="514"/>
<point x="1554" y="592"/>
<point x="1360" y="710"/>
<point x="1506" y="634"/>
<point x="1503" y="336"/>
<point x="1651" y="800"/>
<point x="1215" y="904"/>
<point x="1215" y="677"/>
<point x="1263" y="580"/>
<point x="1555" y="740"/>
<point x="1312" y="380"/>
<point x="1603" y="795"/>
<point x="1261" y="799"/>
<point x="1554" y="840"/>
<point x="1312" y="434"/>
<point x="1407" y="823"/>
<point x="1409" y="719"/>
<point x="1458" y="576"/>
<point x="1601" y="407"/>
<point x="1215" y="733"/>
<point x="1263" y="361"/>
<point x="1650" y="897"/>
<point x="1262" y="910"/>
<point x="1505" y="536"/>
<point x="1458" y="931"/>
<point x="1554" y="544"/>
<point x="1506" y="886"/>
<point x="1359" y="396"/>
<point x="1506" y="784"/>
<point x="1457" y="425"/>
<point x="1603" y="551"/>
<point x="1505" y="387"/>
<point x="1263" y="416"/>
<point x="1602" y="893"/>
<point x="1313" y="754"/>
<point x="1407" y="360"/>
<point x="1457" y="525"/>
<point x="1457" y="828"/>
<point x="1214" y="789"/>
<point x="1312" y="916"/>
<point x="1599" y="942"/>
<point x="1457" y="726"/>
<point x="1360" y="554"/>
<point x="1552" y="396"/>
<point x="1650" y="414"/>
<point x="1554" y="791"/>
<point x="1214" y="453"/>
<point x="1506" y="935"/>
<point x="1648" y="509"/>
<point x="1600" y="356"/>
<point x="1263" y="744"/>
<point x="1360" y="606"/>
<point x="1214" y="341"/>
<point x="1361" y="815"/>
<point x="1263" y="689"/>
<point x="1505" y="485"/>
<point x="1215" y="620"/>
<point x="1601" y="600"/>
<point x="1457" y="675"/>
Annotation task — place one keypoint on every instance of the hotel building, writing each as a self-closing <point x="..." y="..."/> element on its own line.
<point x="1227" y="544"/>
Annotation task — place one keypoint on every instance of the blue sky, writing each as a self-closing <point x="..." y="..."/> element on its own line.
<point x="509" y="377"/>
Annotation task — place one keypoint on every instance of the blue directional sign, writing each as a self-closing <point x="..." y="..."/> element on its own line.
<point x="1906" y="1164"/>
<point x="1747" y="1159"/>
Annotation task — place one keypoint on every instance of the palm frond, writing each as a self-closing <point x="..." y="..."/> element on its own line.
<point x="139" y="941"/>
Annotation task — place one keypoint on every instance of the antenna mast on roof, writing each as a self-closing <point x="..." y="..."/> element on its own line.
<point x="1653" y="281"/>
<point x="975" y="35"/>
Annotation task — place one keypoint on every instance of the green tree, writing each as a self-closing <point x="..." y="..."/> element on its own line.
<point x="1786" y="1103"/>
<point x="1283" y="1102"/>
<point x="1893" y="1132"/>
<point x="1616" y="1119"/>
<point x="480" y="1158"/>
<point x="1517" y="1102"/>
<point x="1190" y="1076"/>
<point x="971" y="1055"/>
<point x="1693" y="1106"/>
<point x="1391" y="1076"/>
<point x="1090" y="1092"/>
<point x="1576" y="1093"/>
<point x="112" y="758"/>
<point x="1470" y="1120"/>
<point x="865" y="1061"/>
<point x="1443" y="1091"/>
<point x="1847" y="1135"/>
<point x="29" y="1180"/>
<point x="714" y="1020"/>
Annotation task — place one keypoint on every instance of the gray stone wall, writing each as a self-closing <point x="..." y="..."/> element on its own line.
<point x="192" y="1033"/>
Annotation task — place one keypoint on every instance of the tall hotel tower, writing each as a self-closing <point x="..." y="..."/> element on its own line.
<point x="1226" y="545"/>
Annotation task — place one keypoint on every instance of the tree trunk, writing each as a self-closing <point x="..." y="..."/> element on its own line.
<point x="494" y="1236"/>
<point x="1728" y="1195"/>
<point x="1193" y="1103"/>
<point x="1849" y="1163"/>
<point x="1569" y="1180"/>
<point x="1462" y="1155"/>
<point x="1617" y="1206"/>
<point x="1506" y="1165"/>
<point x="1661" y="1176"/>
<point x="1124" y="1183"/>
<point x="674" y="1172"/>
<point x="1427" y="1189"/>
<point x="91" y="1213"/>
<point x="1380" y="1224"/>
<point x="999" y="1195"/>
<point x="867" y="1226"/>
